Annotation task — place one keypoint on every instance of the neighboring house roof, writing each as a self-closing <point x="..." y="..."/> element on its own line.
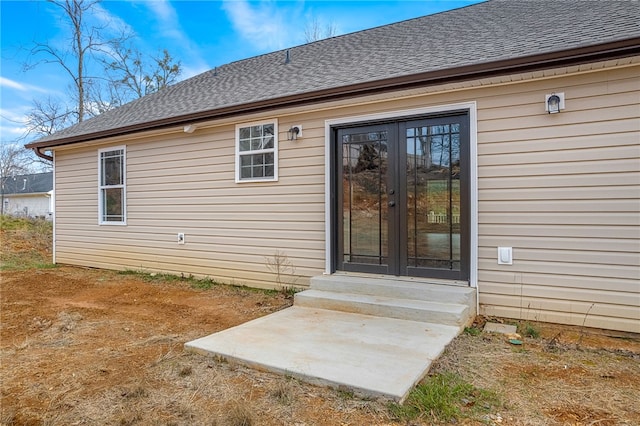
<point x="27" y="184"/>
<point x="488" y="38"/>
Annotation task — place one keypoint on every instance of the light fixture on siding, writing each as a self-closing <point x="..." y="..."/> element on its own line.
<point x="190" y="128"/>
<point x="554" y="102"/>
<point x="294" y="132"/>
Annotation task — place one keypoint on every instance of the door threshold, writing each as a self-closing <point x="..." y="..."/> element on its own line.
<point x="438" y="281"/>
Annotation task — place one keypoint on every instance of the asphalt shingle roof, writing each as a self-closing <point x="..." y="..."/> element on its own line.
<point x="28" y="184"/>
<point x="479" y="34"/>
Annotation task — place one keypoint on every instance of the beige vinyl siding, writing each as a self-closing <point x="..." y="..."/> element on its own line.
<point x="185" y="183"/>
<point x="563" y="190"/>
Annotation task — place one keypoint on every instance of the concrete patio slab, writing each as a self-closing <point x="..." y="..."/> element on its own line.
<point x="370" y="355"/>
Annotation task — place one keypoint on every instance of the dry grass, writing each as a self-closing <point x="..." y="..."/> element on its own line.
<point x="555" y="384"/>
<point x="81" y="346"/>
<point x="25" y="243"/>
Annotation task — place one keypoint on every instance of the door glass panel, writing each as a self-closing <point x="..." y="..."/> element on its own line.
<point x="433" y="196"/>
<point x="364" y="207"/>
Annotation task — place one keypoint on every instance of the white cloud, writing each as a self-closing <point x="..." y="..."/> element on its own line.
<point x="163" y="10"/>
<point x="169" y="27"/>
<point x="5" y="82"/>
<point x="12" y="125"/>
<point x="266" y="25"/>
<point x="189" y="71"/>
<point x="12" y="132"/>
<point x="14" y="115"/>
<point x="113" y="24"/>
<point x="22" y="87"/>
<point x="167" y="18"/>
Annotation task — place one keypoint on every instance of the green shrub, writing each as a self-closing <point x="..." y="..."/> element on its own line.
<point x="528" y="330"/>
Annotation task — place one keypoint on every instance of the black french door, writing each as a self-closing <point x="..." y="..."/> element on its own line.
<point x="402" y="197"/>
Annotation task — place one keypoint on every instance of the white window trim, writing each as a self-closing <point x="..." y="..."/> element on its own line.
<point x="261" y="151"/>
<point x="473" y="156"/>
<point x="123" y="185"/>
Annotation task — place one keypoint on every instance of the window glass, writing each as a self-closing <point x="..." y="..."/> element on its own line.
<point x="111" y="203"/>
<point x="112" y="167"/>
<point x="256" y="152"/>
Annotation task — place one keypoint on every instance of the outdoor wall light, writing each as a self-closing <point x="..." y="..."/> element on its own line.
<point x="294" y="132"/>
<point x="554" y="102"/>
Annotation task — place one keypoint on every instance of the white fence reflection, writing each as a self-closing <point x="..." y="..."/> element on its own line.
<point x="434" y="217"/>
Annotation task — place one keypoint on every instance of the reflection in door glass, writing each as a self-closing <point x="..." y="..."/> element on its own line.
<point x="433" y="196"/>
<point x="364" y="212"/>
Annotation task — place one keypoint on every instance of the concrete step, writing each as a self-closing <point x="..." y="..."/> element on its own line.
<point x="391" y="307"/>
<point x="396" y="287"/>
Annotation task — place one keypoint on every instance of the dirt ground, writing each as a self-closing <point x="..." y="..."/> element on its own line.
<point x="90" y="347"/>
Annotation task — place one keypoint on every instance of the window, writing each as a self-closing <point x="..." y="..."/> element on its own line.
<point x="112" y="194"/>
<point x="257" y="152"/>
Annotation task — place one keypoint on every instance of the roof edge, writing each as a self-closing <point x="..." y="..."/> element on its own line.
<point x="593" y="53"/>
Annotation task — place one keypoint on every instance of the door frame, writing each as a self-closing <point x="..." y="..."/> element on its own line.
<point x="330" y="176"/>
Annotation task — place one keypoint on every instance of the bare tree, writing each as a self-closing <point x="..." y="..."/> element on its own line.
<point x="85" y="40"/>
<point x="14" y="160"/>
<point x="124" y="67"/>
<point x="120" y="73"/>
<point x="165" y="72"/>
<point x="132" y="77"/>
<point x="314" y="31"/>
<point x="47" y="116"/>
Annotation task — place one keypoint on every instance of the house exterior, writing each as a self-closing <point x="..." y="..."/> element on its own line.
<point x="423" y="150"/>
<point x="28" y="195"/>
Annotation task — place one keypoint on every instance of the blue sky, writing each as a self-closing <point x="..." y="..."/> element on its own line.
<point x="201" y="34"/>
